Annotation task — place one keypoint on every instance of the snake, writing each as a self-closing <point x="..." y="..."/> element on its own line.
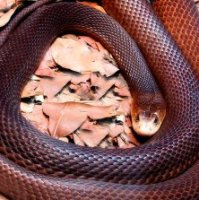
<point x="36" y="166"/>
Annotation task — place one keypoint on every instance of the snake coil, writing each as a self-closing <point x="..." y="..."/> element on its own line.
<point x="35" y="166"/>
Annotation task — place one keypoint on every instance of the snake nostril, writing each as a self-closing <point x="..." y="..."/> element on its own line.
<point x="156" y="120"/>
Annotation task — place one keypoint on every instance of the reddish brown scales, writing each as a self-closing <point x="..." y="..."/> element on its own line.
<point x="172" y="152"/>
<point x="181" y="18"/>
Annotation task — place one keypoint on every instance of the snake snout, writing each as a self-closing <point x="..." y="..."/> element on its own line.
<point x="146" y="123"/>
<point x="148" y="112"/>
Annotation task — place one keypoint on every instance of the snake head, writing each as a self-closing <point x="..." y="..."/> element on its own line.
<point x="148" y="112"/>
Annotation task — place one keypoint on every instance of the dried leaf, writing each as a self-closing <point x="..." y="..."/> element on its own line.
<point x="5" y="18"/>
<point x="82" y="90"/>
<point x="125" y="106"/>
<point x="99" y="112"/>
<point x="94" y="135"/>
<point x="80" y="78"/>
<point x="83" y="58"/>
<point x="62" y="121"/>
<point x="101" y="84"/>
<point x="115" y="130"/>
<point x="3" y="198"/>
<point x="31" y="89"/>
<point x="53" y="85"/>
<point x="37" y="118"/>
<point x="6" y="4"/>
<point x="122" y="91"/>
<point x="121" y="88"/>
<point x="46" y="64"/>
<point x="93" y="5"/>
<point x="94" y="44"/>
<point x="129" y="136"/>
<point x="44" y="71"/>
<point x="123" y="144"/>
<point x="66" y="96"/>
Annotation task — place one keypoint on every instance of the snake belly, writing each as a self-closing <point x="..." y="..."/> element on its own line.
<point x="34" y="166"/>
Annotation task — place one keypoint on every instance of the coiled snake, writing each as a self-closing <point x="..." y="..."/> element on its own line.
<point x="35" y="166"/>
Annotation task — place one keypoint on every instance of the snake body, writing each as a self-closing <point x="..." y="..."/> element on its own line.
<point x="182" y="21"/>
<point x="35" y="166"/>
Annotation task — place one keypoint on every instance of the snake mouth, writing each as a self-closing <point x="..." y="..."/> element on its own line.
<point x="146" y="123"/>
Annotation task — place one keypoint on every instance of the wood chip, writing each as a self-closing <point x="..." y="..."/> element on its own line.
<point x="26" y="107"/>
<point x="64" y="139"/>
<point x="77" y="140"/>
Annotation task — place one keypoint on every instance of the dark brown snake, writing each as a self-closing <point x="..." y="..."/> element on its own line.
<point x="35" y="166"/>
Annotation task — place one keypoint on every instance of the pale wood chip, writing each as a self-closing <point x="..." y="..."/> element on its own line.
<point x="26" y="107"/>
<point x="64" y="139"/>
<point x="121" y="87"/>
<point x="35" y="78"/>
<point x="109" y="99"/>
<point x="87" y="125"/>
<point x="104" y="144"/>
<point x="77" y="140"/>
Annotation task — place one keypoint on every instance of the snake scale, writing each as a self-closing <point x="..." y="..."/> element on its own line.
<point x="35" y="166"/>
